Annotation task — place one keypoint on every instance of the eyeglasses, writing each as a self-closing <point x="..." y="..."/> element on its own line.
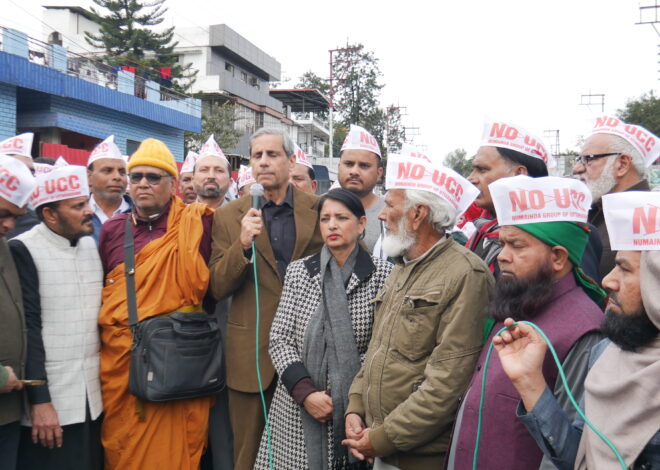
<point x="585" y="159"/>
<point x="153" y="179"/>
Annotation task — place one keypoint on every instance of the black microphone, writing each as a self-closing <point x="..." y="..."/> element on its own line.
<point x="256" y="191"/>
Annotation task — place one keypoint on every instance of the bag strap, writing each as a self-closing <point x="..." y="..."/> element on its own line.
<point x="129" y="271"/>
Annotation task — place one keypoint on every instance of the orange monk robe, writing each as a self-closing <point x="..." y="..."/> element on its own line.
<point x="170" y="273"/>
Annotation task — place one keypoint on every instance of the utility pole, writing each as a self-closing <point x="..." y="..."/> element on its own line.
<point x="591" y="99"/>
<point x="650" y="14"/>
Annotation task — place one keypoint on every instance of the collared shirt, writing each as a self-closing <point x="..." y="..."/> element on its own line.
<point x="281" y="227"/>
<point x="100" y="213"/>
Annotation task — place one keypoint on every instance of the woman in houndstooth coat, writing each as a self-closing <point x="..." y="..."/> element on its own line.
<point x="318" y="339"/>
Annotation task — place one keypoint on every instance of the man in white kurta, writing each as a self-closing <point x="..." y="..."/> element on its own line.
<point x="61" y="281"/>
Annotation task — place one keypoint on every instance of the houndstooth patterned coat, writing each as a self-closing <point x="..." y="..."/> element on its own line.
<point x="300" y="297"/>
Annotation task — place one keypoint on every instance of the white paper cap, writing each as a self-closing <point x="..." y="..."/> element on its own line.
<point x="511" y="136"/>
<point x="16" y="181"/>
<point x="18" y="145"/>
<point x="407" y="172"/>
<point x="211" y="149"/>
<point x="65" y="182"/>
<point x="633" y="220"/>
<point x="358" y="138"/>
<point x="642" y="139"/>
<point x="106" y="149"/>
<point x="189" y="163"/>
<point x="245" y="176"/>
<point x="302" y="158"/>
<point x="525" y="200"/>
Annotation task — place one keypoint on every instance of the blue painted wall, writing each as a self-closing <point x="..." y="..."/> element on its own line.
<point x="7" y="111"/>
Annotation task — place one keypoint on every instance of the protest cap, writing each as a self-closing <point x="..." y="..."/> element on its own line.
<point x="60" y="162"/>
<point x="16" y="181"/>
<point x="40" y="168"/>
<point x="18" y="145"/>
<point x="359" y="138"/>
<point x="302" y="158"/>
<point x="189" y="163"/>
<point x="412" y="151"/>
<point x="641" y="139"/>
<point x="407" y="172"/>
<point x="65" y="182"/>
<point x="633" y="220"/>
<point x="522" y="199"/>
<point x="511" y="136"/>
<point x="245" y="176"/>
<point x="153" y="152"/>
<point x="211" y="149"/>
<point x="106" y="149"/>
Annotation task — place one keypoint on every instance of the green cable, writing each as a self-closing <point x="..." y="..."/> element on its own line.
<point x="564" y="382"/>
<point x="261" y="387"/>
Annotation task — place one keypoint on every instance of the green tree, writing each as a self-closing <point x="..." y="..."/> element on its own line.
<point x="338" y="135"/>
<point x="396" y="133"/>
<point x="457" y="160"/>
<point x="126" y="36"/>
<point x="644" y="110"/>
<point x="356" y="89"/>
<point x="310" y="80"/>
<point x="219" y="120"/>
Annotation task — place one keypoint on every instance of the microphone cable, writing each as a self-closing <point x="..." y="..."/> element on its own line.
<point x="565" y="384"/>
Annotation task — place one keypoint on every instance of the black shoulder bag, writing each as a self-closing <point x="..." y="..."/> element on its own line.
<point x="173" y="356"/>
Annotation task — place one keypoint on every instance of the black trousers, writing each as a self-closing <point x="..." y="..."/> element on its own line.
<point x="9" y="437"/>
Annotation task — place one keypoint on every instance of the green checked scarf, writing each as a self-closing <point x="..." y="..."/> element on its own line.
<point x="574" y="238"/>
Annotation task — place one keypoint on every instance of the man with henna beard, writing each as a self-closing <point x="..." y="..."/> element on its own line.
<point x="540" y="280"/>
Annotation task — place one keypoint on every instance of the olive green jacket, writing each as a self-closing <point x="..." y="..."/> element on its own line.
<point x="12" y="333"/>
<point x="426" y="339"/>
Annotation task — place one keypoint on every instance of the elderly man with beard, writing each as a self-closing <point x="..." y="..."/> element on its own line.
<point x="621" y="389"/>
<point x="613" y="159"/>
<point x="211" y="175"/>
<point x="61" y="281"/>
<point x="540" y="280"/>
<point x="428" y="324"/>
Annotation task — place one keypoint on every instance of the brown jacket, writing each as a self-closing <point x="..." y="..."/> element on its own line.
<point x="426" y="339"/>
<point x="12" y="333"/>
<point x="232" y="275"/>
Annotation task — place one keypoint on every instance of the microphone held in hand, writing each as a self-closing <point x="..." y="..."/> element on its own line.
<point x="256" y="191"/>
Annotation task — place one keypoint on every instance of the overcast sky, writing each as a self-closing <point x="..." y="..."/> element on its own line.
<point x="449" y="63"/>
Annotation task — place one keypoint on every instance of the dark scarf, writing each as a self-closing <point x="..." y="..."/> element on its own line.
<point x="330" y="356"/>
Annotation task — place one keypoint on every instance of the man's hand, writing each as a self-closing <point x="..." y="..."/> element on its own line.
<point x="46" y="428"/>
<point x="251" y="226"/>
<point x="319" y="405"/>
<point x="361" y="448"/>
<point x="354" y="426"/>
<point x="522" y="350"/>
<point x="12" y="381"/>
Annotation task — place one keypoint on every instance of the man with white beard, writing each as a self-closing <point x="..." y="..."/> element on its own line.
<point x="403" y="401"/>
<point x="613" y="159"/>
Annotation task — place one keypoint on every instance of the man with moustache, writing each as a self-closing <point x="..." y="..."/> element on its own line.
<point x="211" y="175"/>
<point x="360" y="169"/>
<point x="106" y="171"/>
<point x="540" y="280"/>
<point x="403" y="401"/>
<point x="186" y="188"/>
<point x="16" y="186"/>
<point x="621" y="388"/>
<point x="614" y="158"/>
<point x="61" y="281"/>
<point x="284" y="228"/>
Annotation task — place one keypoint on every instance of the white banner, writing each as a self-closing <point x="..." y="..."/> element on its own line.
<point x="633" y="220"/>
<point x="525" y="200"/>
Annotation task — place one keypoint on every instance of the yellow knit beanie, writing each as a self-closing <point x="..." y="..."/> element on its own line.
<point x="154" y="153"/>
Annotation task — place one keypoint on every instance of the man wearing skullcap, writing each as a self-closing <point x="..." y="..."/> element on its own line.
<point x="303" y="176"/>
<point x="172" y="241"/>
<point x="211" y="175"/>
<point x="61" y="281"/>
<point x="543" y="236"/>
<point x="16" y="186"/>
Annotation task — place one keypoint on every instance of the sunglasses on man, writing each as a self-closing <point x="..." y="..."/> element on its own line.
<point x="153" y="179"/>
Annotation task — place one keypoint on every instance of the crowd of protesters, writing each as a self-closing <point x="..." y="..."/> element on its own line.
<point x="407" y="331"/>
